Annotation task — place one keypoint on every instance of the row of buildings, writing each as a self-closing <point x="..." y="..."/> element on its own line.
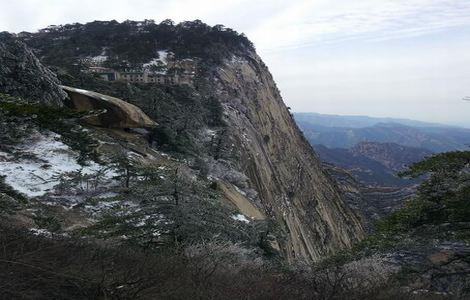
<point x="180" y="72"/>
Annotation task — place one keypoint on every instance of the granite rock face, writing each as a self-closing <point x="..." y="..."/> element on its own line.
<point x="281" y="166"/>
<point x="22" y="75"/>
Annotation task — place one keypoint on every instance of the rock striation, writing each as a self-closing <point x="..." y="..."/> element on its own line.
<point x="281" y="166"/>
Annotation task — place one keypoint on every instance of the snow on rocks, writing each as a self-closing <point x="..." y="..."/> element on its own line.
<point x="99" y="59"/>
<point x="241" y="218"/>
<point x="237" y="60"/>
<point x="41" y="232"/>
<point x="107" y="195"/>
<point x="46" y="233"/>
<point x="37" y="165"/>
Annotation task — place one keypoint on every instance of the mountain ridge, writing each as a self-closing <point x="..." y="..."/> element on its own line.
<point x="435" y="138"/>
<point x="375" y="164"/>
<point x="358" y="121"/>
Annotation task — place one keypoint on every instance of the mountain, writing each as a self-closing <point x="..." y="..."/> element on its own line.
<point x="217" y="165"/>
<point x="371" y="201"/>
<point x="326" y="120"/>
<point x="367" y="176"/>
<point x="334" y="132"/>
<point x="365" y="154"/>
<point x="375" y="164"/>
<point x="393" y="156"/>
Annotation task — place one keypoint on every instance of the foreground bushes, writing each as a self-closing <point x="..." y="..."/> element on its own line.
<point x="32" y="267"/>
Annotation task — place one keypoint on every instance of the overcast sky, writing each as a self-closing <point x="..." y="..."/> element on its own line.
<point x="408" y="58"/>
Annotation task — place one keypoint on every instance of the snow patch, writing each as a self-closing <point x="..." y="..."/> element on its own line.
<point x="240" y="191"/>
<point x="210" y="132"/>
<point x="40" y="170"/>
<point x="241" y="218"/>
<point x="99" y="59"/>
<point x="162" y="60"/>
<point x="163" y="56"/>
<point x="41" y="232"/>
<point x="154" y="62"/>
<point x="107" y="195"/>
<point x="237" y="60"/>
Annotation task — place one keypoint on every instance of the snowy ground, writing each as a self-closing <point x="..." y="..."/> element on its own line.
<point x="36" y="166"/>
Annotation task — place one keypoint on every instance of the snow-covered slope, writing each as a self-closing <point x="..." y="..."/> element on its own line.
<point x="41" y="162"/>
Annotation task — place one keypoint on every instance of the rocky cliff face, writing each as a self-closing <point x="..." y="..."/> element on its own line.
<point x="22" y="75"/>
<point x="281" y="166"/>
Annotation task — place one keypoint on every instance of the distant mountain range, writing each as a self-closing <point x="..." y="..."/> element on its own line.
<point x="374" y="150"/>
<point x="346" y="131"/>
<point x="357" y="121"/>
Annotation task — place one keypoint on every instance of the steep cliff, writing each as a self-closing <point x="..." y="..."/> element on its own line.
<point x="281" y="165"/>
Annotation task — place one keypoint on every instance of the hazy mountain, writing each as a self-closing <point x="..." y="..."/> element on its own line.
<point x="328" y="120"/>
<point x="345" y="132"/>
<point x="393" y="156"/>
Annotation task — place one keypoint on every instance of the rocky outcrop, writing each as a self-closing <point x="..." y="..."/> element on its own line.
<point x="22" y="75"/>
<point x="281" y="166"/>
<point x="110" y="112"/>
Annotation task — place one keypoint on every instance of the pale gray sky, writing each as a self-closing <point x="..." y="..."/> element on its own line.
<point x="395" y="58"/>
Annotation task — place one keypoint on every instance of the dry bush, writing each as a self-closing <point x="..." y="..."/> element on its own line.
<point x="32" y="267"/>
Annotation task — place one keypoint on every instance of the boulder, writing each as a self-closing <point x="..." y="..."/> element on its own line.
<point x="107" y="111"/>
